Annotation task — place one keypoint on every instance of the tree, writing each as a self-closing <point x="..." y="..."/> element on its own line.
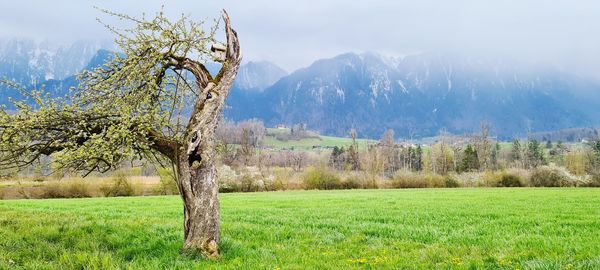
<point x="483" y="145"/>
<point x="470" y="161"/>
<point x="352" y="152"/>
<point x="226" y="138"/>
<point x="593" y="157"/>
<point x="388" y="148"/>
<point x="494" y="156"/>
<point x="336" y="159"/>
<point x="515" y="153"/>
<point x="417" y="159"/>
<point x="246" y="146"/>
<point x="154" y="100"/>
<point x="535" y="154"/>
<point x="442" y="156"/>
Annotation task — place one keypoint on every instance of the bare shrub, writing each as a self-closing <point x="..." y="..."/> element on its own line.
<point x="470" y="179"/>
<point x="227" y="179"/>
<point x="593" y="181"/>
<point x="550" y="176"/>
<point x="251" y="179"/>
<point x="288" y="178"/>
<point x="352" y="182"/>
<point x="408" y="179"/>
<point x="53" y="190"/>
<point x="22" y="191"/>
<point x="67" y="189"/>
<point x="359" y="181"/>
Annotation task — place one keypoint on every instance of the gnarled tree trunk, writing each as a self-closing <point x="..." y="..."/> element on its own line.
<point x="195" y="160"/>
<point x="200" y="206"/>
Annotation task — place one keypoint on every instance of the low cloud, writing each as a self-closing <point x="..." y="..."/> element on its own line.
<point x="295" y="33"/>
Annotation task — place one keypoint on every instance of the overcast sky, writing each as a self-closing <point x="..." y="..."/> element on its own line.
<point x="295" y="33"/>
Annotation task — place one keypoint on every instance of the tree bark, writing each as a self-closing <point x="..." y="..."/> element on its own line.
<point x="200" y="206"/>
<point x="195" y="159"/>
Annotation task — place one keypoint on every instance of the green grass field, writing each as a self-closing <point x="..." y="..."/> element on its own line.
<point x="362" y="229"/>
<point x="308" y="143"/>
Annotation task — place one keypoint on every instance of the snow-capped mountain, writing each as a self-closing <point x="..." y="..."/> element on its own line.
<point x="416" y="95"/>
<point x="259" y="75"/>
<point x="420" y="94"/>
<point x="31" y="63"/>
<point x="26" y="60"/>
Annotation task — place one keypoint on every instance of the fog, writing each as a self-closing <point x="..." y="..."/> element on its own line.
<point x="295" y="33"/>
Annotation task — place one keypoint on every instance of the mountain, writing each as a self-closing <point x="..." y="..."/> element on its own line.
<point x="29" y="62"/>
<point x="416" y="95"/>
<point x="26" y="60"/>
<point x="420" y="94"/>
<point x="257" y="76"/>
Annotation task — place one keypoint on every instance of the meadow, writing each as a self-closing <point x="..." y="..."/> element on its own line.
<point x="309" y="143"/>
<point x="509" y="228"/>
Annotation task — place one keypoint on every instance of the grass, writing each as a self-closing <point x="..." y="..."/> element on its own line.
<point x="308" y="143"/>
<point x="521" y="228"/>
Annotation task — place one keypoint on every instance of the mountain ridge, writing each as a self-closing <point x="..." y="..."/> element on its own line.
<point x="421" y="94"/>
<point x="416" y="95"/>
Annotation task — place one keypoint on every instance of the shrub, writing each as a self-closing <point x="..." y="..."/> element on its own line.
<point x="450" y="182"/>
<point x="469" y="179"/>
<point x="434" y="180"/>
<point x="548" y="176"/>
<point x="510" y="180"/>
<point x="408" y="179"/>
<point x="594" y="181"/>
<point x="77" y="189"/>
<point x="227" y="179"/>
<point x="409" y="183"/>
<point x="69" y="189"/>
<point x="352" y="182"/>
<point x="227" y="188"/>
<point x="356" y="181"/>
<point x="53" y="190"/>
<point x="248" y="184"/>
<point x="492" y="178"/>
<point x="273" y="183"/>
<point x="251" y="179"/>
<point x="119" y="186"/>
<point x="321" y="178"/>
<point x="167" y="185"/>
